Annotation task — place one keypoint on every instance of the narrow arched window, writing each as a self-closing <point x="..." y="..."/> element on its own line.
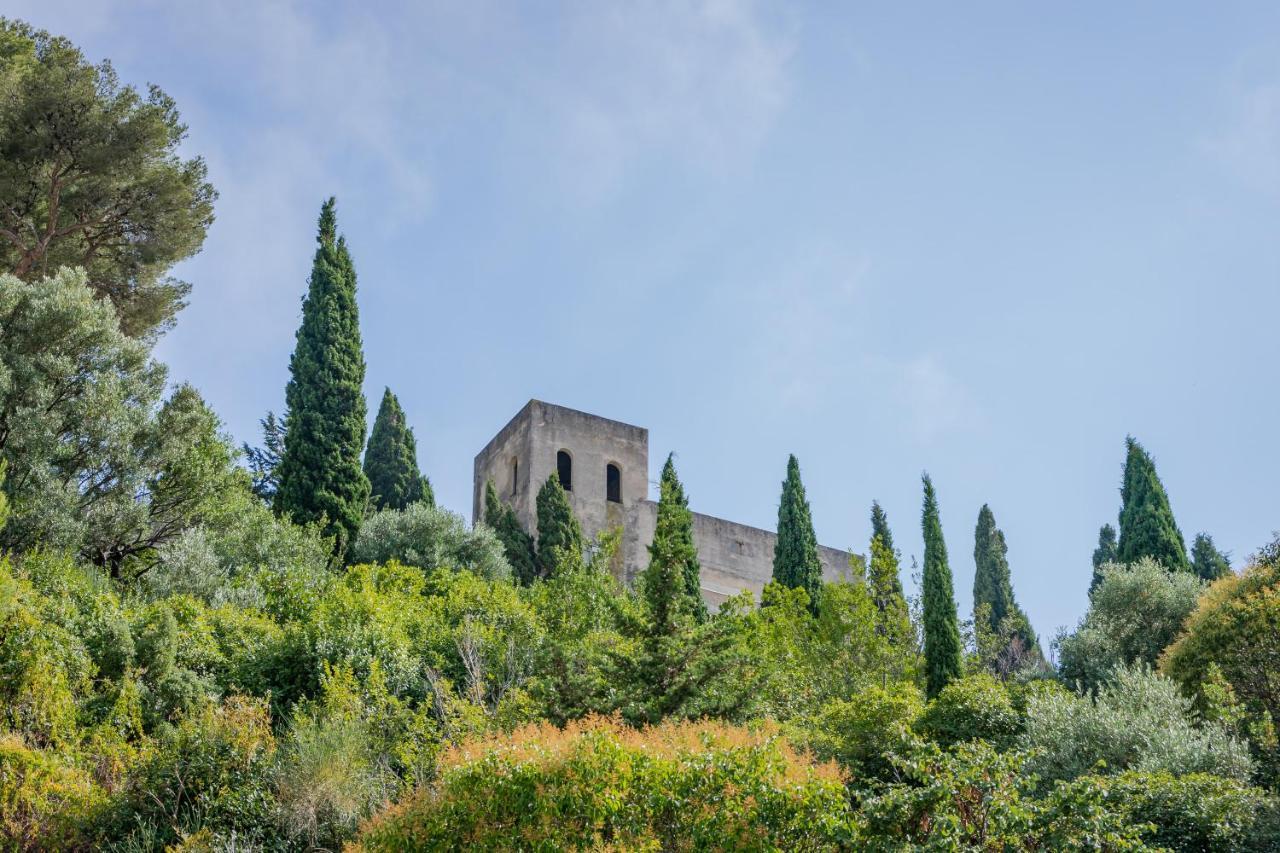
<point x="515" y="474"/>
<point x="613" y="483"/>
<point x="564" y="467"/>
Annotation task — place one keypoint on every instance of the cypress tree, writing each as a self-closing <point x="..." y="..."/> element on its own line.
<point x="1105" y="553"/>
<point x="674" y="530"/>
<point x="558" y="527"/>
<point x="992" y="585"/>
<point x="1147" y="526"/>
<point x="795" y="557"/>
<point x="893" y="620"/>
<point x="941" y="626"/>
<point x="320" y="475"/>
<point x="880" y="527"/>
<point x="391" y="460"/>
<point x="516" y="543"/>
<point x="1207" y="561"/>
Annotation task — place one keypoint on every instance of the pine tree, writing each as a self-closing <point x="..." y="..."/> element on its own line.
<point x="1207" y="561"/>
<point x="941" y="626"/>
<point x="674" y="529"/>
<point x="264" y="461"/>
<point x="558" y="527"/>
<point x="993" y="587"/>
<point x="391" y="460"/>
<point x="1105" y="553"/>
<point x="1147" y="526"/>
<point x="516" y="543"/>
<point x="880" y="527"/>
<point x="795" y="557"/>
<point x="893" y="619"/>
<point x="320" y="475"/>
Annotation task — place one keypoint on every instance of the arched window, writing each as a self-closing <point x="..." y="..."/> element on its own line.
<point x="564" y="467"/>
<point x="613" y="483"/>
<point x="515" y="475"/>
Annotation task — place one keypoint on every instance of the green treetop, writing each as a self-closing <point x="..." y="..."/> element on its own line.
<point x="673" y="539"/>
<point x="1105" y="553"/>
<point x="992" y="586"/>
<point x="880" y="527"/>
<point x="1147" y="526"/>
<point x="391" y="460"/>
<point x="320" y="476"/>
<point x="1207" y="561"/>
<point x="516" y="543"/>
<point x="558" y="528"/>
<point x="942" y="652"/>
<point x="795" y="557"/>
<point x="893" y="619"/>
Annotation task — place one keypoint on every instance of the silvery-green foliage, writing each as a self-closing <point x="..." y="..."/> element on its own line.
<point x="190" y="565"/>
<point x="1138" y="720"/>
<point x="429" y="537"/>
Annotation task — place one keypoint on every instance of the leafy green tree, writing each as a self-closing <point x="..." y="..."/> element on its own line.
<point x="320" y="474"/>
<point x="516" y="543"/>
<point x="558" y="528"/>
<point x="675" y="522"/>
<point x="431" y="538"/>
<point x="893" y="620"/>
<point x="993" y="587"/>
<point x="942" y="650"/>
<point x="795" y="556"/>
<point x="1147" y="526"/>
<point x="1104" y="554"/>
<point x="391" y="460"/>
<point x="91" y="177"/>
<point x="263" y="461"/>
<point x="1207" y="561"/>
<point x="880" y="527"/>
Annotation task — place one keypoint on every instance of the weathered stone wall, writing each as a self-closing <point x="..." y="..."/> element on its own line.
<point x="733" y="556"/>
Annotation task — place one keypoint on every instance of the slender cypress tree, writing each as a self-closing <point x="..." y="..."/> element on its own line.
<point x="516" y="543"/>
<point x="992" y="585"/>
<point x="1105" y="553"/>
<point x="391" y="460"/>
<point x="942" y="651"/>
<point x="558" y="527"/>
<point x="795" y="557"/>
<point x="1147" y="526"/>
<point x="1207" y="561"/>
<point x="880" y="527"/>
<point x="893" y="620"/>
<point x="320" y="475"/>
<point x="675" y="523"/>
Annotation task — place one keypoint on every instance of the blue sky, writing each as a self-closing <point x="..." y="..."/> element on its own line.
<point x="986" y="240"/>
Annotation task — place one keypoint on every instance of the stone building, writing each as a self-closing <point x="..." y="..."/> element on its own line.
<point x="604" y="467"/>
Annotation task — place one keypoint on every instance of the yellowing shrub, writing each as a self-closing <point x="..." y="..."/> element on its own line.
<point x="598" y="784"/>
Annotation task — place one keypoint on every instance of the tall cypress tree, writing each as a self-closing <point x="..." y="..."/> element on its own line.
<point x="893" y="619"/>
<point x="880" y="527"/>
<point x="320" y="475"/>
<point x="516" y="543"/>
<point x="942" y="651"/>
<point x="992" y="585"/>
<point x="1105" y="553"/>
<point x="1147" y="526"/>
<point x="391" y="460"/>
<point x="795" y="557"/>
<point x="892" y="583"/>
<point x="1207" y="561"/>
<point x="558" y="527"/>
<point x="675" y="523"/>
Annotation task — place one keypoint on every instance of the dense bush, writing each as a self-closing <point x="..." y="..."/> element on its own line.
<point x="600" y="784"/>
<point x="1138" y="720"/>
<point x="862" y="732"/>
<point x="976" y="707"/>
<point x="43" y="801"/>
<point x="429" y="537"/>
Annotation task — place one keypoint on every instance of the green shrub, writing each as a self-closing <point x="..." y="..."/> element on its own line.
<point x="598" y="784"/>
<point x="976" y="707"/>
<point x="1199" y="811"/>
<point x="429" y="537"/>
<point x="861" y="732"/>
<point x="44" y="803"/>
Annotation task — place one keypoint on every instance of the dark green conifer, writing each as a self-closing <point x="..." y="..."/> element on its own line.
<point x="893" y="619"/>
<point x="889" y="572"/>
<point x="993" y="587"/>
<point x="1105" y="553"/>
<point x="558" y="527"/>
<point x="1207" y="561"/>
<point x="516" y="543"/>
<point x="391" y="460"/>
<point x="1147" y="527"/>
<point x="942" y="651"/>
<point x="320" y="475"/>
<point x="673" y="537"/>
<point x="795" y="557"/>
<point x="880" y="527"/>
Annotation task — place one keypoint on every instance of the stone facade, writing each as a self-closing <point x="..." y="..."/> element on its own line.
<point x="527" y="451"/>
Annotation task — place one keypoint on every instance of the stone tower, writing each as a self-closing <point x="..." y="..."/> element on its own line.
<point x="604" y="467"/>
